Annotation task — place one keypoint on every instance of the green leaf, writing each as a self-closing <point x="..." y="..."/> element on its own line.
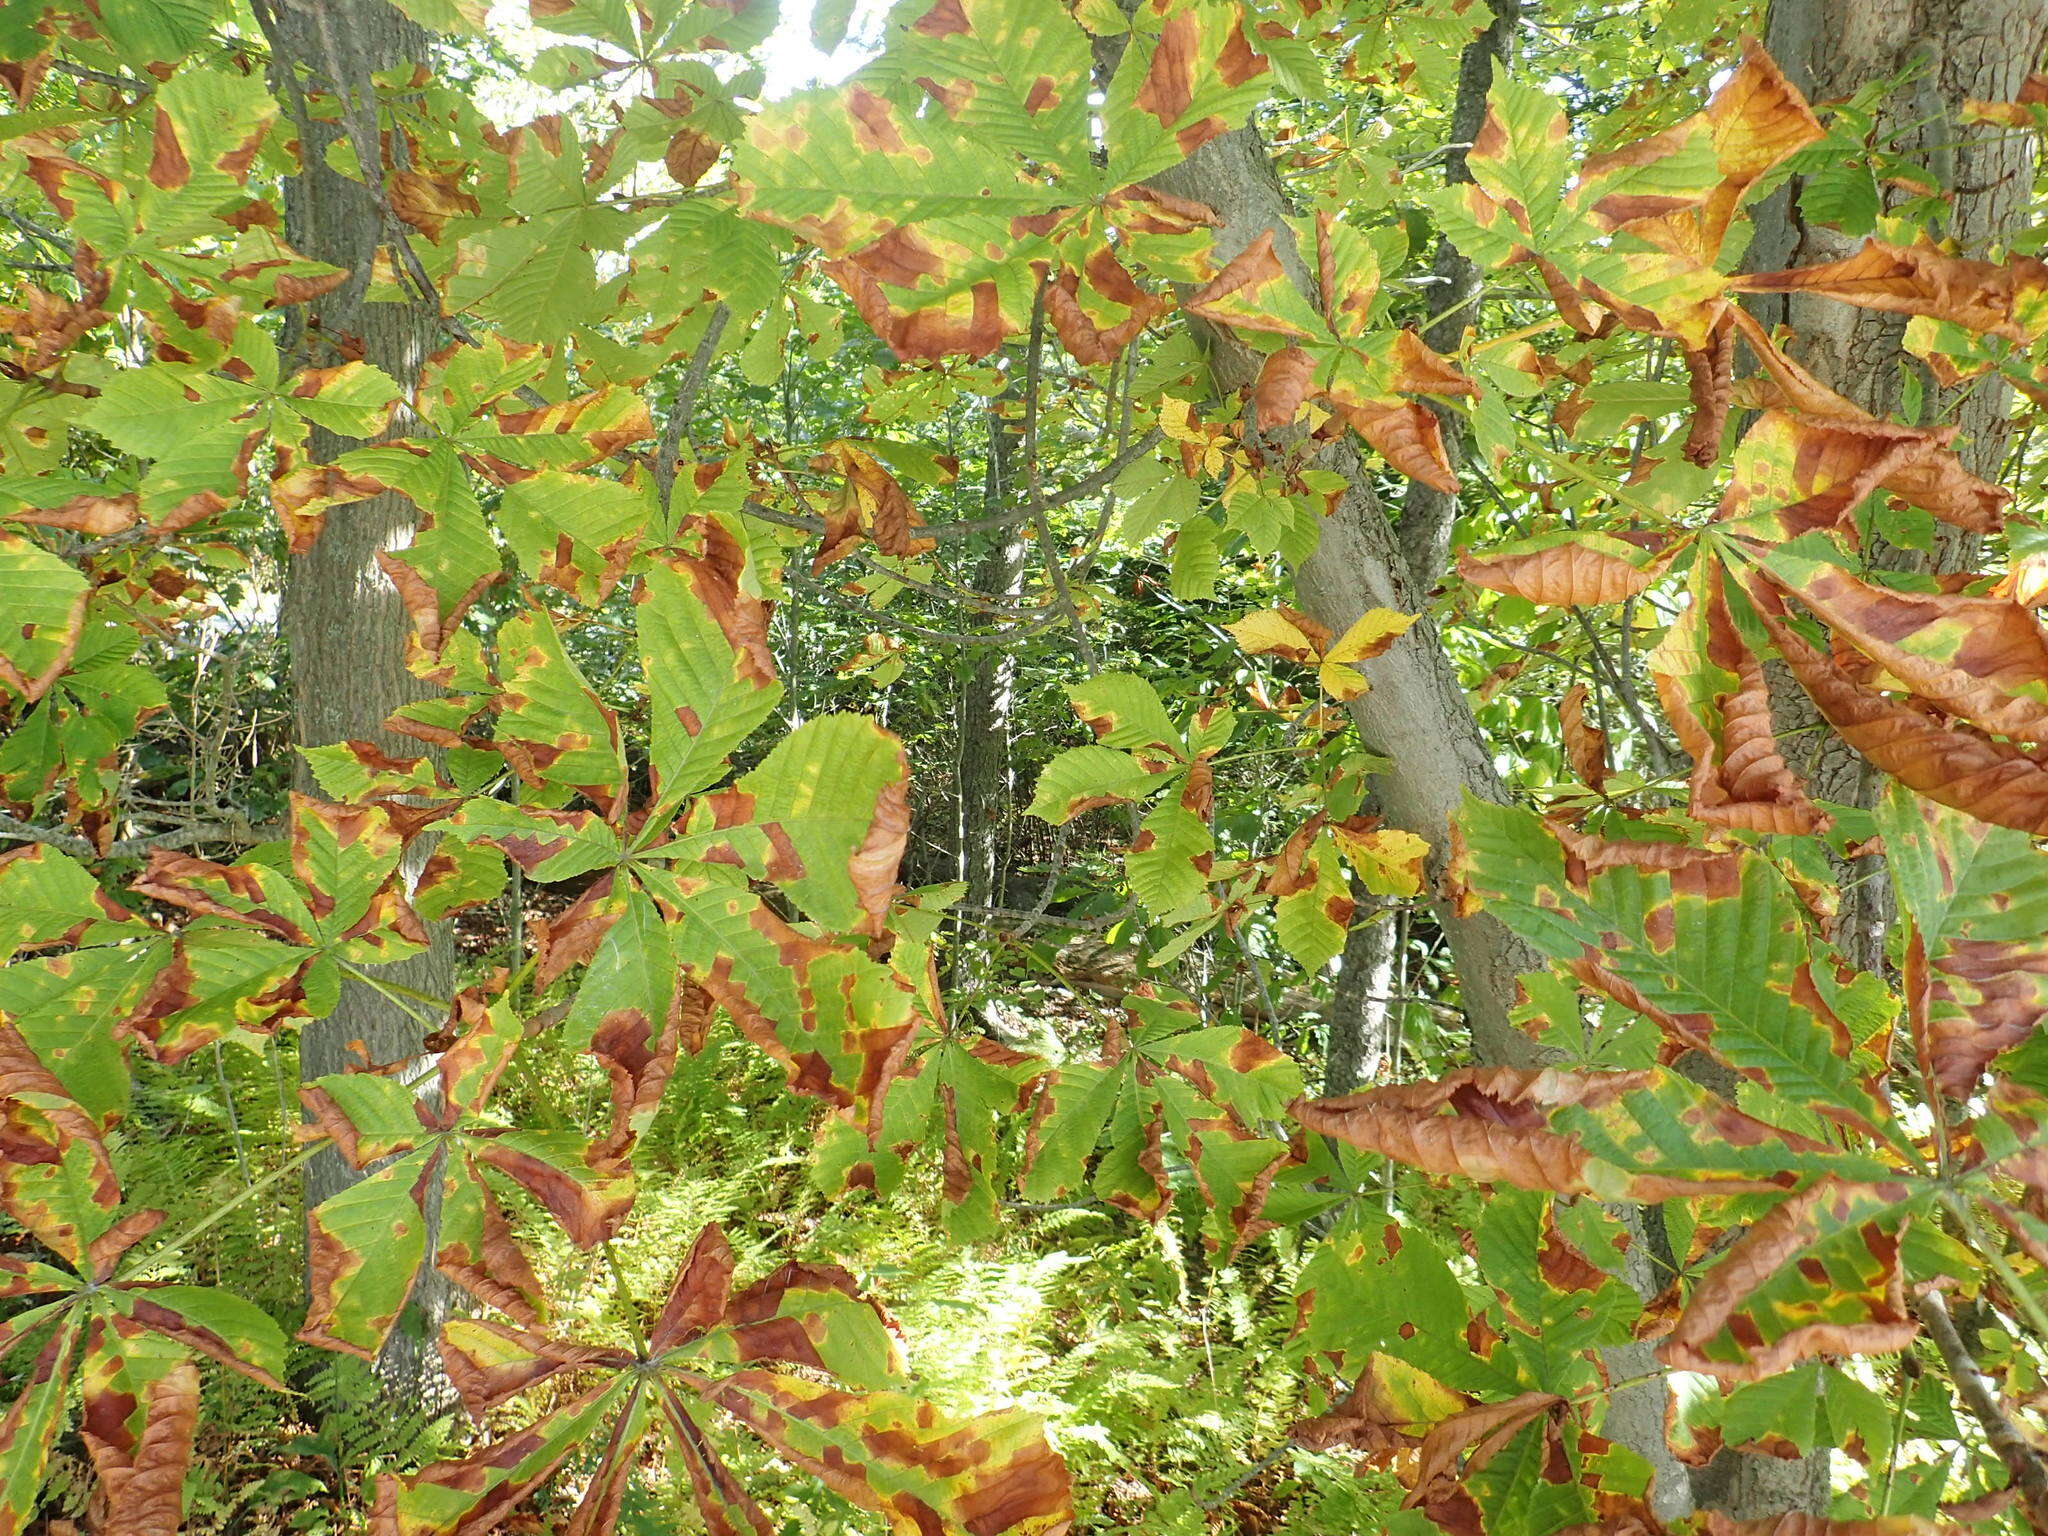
<point x="364" y="1246"/>
<point x="1081" y="778"/>
<point x="824" y="817"/>
<point x="709" y="669"/>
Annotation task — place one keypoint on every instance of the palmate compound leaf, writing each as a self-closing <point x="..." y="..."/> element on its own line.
<point x="270" y="932"/>
<point x="1165" y="1086"/>
<point x="365" y="1243"/>
<point x="1715" y="947"/>
<point x="964" y="202"/>
<point x="1975" y="972"/>
<point x="710" y="1359"/>
<point x="138" y="1387"/>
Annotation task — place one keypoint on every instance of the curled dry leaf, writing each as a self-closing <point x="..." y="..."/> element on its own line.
<point x="1934" y="480"/>
<point x="1948" y="763"/>
<point x="1570" y="568"/>
<point x="1409" y="437"/>
<point x="1710" y="382"/>
<point x="1585" y="746"/>
<point x="1284" y="383"/>
<point x="1718" y="701"/>
<point x="1981" y="659"/>
<point x="144" y="1476"/>
<point x="2008" y="298"/>
<point x="1492" y="1124"/>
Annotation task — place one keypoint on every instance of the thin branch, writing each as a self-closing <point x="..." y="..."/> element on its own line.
<point x="1979" y="1394"/>
<point x="669" y="451"/>
<point x="236" y="832"/>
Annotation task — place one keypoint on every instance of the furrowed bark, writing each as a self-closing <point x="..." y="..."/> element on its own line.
<point x="986" y="774"/>
<point x="1416" y="713"/>
<point x="344" y="622"/>
<point x="1958" y="50"/>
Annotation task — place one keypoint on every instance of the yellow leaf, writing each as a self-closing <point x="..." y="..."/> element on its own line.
<point x="1271" y="632"/>
<point x="1388" y="861"/>
<point x="1376" y="629"/>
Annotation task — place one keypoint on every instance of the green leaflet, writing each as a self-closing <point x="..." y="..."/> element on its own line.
<point x="710" y="675"/>
<point x="1724" y="964"/>
<point x="1976" y="971"/>
<point x="1081" y="778"/>
<point x="824" y="817"/>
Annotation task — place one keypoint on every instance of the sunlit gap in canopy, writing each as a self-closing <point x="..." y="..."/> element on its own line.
<point x="791" y="59"/>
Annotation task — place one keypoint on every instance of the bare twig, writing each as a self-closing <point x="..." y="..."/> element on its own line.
<point x="668" y="452"/>
<point x="2023" y="1464"/>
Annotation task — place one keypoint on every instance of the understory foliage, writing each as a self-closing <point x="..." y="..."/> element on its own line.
<point x="785" y="1175"/>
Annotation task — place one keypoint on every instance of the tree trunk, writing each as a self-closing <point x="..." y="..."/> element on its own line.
<point x="343" y="621"/>
<point x="1355" y="1032"/>
<point x="1963" y="50"/>
<point x="986" y="778"/>
<point x="1416" y="713"/>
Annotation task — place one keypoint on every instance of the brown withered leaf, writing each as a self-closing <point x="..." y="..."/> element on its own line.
<point x="1284" y="383"/>
<point x="1995" y="298"/>
<point x="1757" y="119"/>
<point x="1388" y="1412"/>
<point x="1817" y="1274"/>
<point x="1739" y="777"/>
<point x="1409" y="437"/>
<point x="1253" y="271"/>
<point x="1981" y="659"/>
<point x="1934" y="481"/>
<point x="1419" y="369"/>
<point x="143" y="1476"/>
<point x="428" y="200"/>
<point x="1492" y="1124"/>
<point x="1710" y="382"/>
<point x="1110" y="286"/>
<point x="1585" y="746"/>
<point x="88" y="513"/>
<point x="690" y="155"/>
<point x="1795" y="474"/>
<point x="1947" y="762"/>
<point x="1571" y="568"/>
<point x="964" y="324"/>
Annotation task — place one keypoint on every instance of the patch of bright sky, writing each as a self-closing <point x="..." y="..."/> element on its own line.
<point x="790" y="59"/>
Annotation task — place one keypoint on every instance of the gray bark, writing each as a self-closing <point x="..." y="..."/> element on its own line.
<point x="1355" y="1025"/>
<point x="986" y="781"/>
<point x="343" y="621"/>
<point x="1416" y="713"/>
<point x="1962" y="50"/>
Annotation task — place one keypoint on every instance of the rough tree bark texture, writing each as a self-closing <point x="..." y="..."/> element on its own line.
<point x="1355" y="1025"/>
<point x="986" y="775"/>
<point x="1415" y="714"/>
<point x="1955" y="51"/>
<point x="343" y="621"/>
